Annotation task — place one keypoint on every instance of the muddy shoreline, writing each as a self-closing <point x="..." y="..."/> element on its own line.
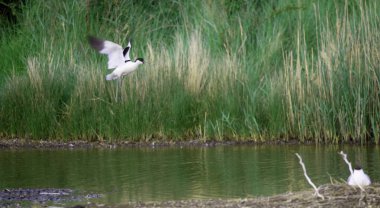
<point x="57" y="144"/>
<point x="6" y="143"/>
<point x="31" y="197"/>
<point x="335" y="195"/>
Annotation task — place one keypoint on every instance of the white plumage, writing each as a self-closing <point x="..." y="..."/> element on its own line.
<point x="115" y="54"/>
<point x="358" y="178"/>
<point x="118" y="58"/>
<point x="124" y="69"/>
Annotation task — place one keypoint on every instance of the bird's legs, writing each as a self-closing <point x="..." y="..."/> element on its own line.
<point x="121" y="86"/>
<point x="117" y="89"/>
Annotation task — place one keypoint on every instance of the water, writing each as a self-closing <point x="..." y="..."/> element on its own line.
<point x="148" y="174"/>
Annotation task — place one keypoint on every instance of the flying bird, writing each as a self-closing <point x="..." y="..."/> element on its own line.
<point x="118" y="58"/>
<point x="358" y="177"/>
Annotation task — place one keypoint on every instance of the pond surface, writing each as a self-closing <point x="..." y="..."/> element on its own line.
<point x="159" y="174"/>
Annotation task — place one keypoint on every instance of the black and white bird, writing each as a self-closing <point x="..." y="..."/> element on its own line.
<point x="358" y="177"/>
<point x="118" y="58"/>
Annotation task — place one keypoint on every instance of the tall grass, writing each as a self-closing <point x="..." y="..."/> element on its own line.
<point x="214" y="69"/>
<point x="332" y="93"/>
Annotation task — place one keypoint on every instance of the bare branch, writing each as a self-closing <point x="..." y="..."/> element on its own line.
<point x="346" y="160"/>
<point x="308" y="179"/>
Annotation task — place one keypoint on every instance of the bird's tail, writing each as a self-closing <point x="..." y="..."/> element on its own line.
<point x="110" y="77"/>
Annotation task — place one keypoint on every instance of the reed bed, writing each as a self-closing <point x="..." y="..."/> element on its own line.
<point x="214" y="70"/>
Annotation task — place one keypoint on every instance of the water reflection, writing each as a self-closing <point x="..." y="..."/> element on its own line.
<point x="173" y="173"/>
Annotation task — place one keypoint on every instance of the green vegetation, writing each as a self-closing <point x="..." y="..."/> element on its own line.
<point x="257" y="70"/>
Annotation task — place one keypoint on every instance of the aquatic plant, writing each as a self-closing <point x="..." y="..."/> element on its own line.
<point x="260" y="70"/>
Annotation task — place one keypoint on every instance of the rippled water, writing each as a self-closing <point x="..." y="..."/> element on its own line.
<point x="157" y="174"/>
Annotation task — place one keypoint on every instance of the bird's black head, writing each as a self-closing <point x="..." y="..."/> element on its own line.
<point x="358" y="167"/>
<point x="140" y="59"/>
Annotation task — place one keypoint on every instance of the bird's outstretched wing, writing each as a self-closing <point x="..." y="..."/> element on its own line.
<point x="126" y="51"/>
<point x="112" y="50"/>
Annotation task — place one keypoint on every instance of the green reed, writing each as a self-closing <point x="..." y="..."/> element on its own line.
<point x="214" y="70"/>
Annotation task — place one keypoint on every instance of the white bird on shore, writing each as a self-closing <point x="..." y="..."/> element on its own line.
<point x="358" y="177"/>
<point x="118" y="58"/>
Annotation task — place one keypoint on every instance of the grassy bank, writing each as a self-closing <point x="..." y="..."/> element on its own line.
<point x="258" y="70"/>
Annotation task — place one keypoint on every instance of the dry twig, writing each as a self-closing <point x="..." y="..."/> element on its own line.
<point x="308" y="179"/>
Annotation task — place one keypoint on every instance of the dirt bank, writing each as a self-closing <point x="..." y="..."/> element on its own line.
<point x="338" y="195"/>
<point x="41" y="197"/>
<point x="335" y="195"/>
<point x="6" y="143"/>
